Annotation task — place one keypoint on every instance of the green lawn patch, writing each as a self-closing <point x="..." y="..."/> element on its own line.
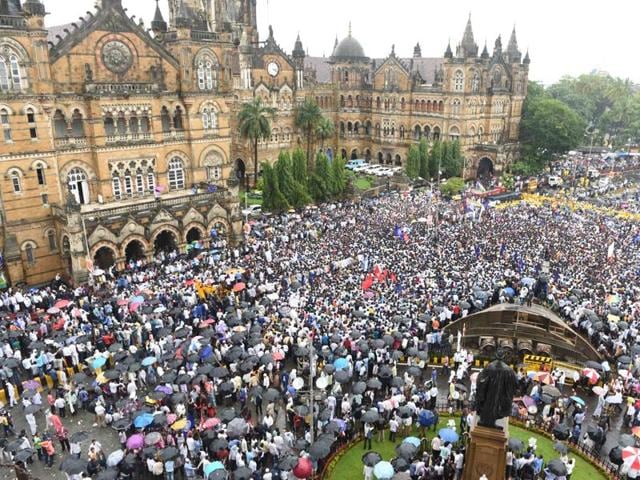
<point x="363" y="183"/>
<point x="250" y="200"/>
<point x="350" y="463"/>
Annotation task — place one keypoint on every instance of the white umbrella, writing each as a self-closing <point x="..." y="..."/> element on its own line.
<point x="97" y="272"/>
<point x="115" y="458"/>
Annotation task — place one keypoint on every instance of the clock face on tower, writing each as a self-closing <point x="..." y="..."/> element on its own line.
<point x="273" y="69"/>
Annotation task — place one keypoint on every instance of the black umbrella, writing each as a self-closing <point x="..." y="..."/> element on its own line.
<point x="342" y="376"/>
<point x="168" y="377"/>
<point x="325" y="414"/>
<point x="400" y="464"/>
<point x="108" y="474"/>
<point x="385" y="372"/>
<point x="560" y="447"/>
<point x="370" y="416"/>
<point x="374" y="384"/>
<point x="157" y="395"/>
<point x="561" y="431"/>
<point x="626" y="440"/>
<point x="111" y="374"/>
<point x="218" y="475"/>
<point x="73" y="465"/>
<point x="287" y="462"/>
<point x="414" y="371"/>
<point x="181" y="333"/>
<point x="461" y="387"/>
<point x="333" y="427"/>
<point x="359" y="388"/>
<point x="615" y="455"/>
<point x="218" y="444"/>
<point x="205" y="369"/>
<point x="319" y="450"/>
<point x="405" y="411"/>
<point x="557" y="467"/>
<point x="169" y="453"/>
<point x="121" y="424"/>
<point x="226" y="388"/>
<point x="271" y="395"/>
<point x="370" y="459"/>
<point x="219" y="372"/>
<point x="397" y="382"/>
<point x="406" y="450"/>
<point x="515" y="444"/>
<point x="14" y="445"/>
<point x="242" y="473"/>
<point x="329" y="369"/>
<point x="227" y="414"/>
<point x="595" y="432"/>
<point x="23" y="455"/>
<point x="183" y="379"/>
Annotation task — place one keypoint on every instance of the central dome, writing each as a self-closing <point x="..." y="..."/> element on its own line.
<point x="349" y="48"/>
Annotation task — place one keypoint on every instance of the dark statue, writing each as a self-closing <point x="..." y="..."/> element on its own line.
<point x="496" y="386"/>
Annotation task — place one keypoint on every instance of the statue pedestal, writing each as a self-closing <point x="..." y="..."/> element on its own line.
<point x="486" y="454"/>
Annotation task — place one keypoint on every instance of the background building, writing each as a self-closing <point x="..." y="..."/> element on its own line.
<point x="118" y="139"/>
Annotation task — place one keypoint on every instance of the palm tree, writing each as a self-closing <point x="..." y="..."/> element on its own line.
<point x="255" y="124"/>
<point x="308" y="116"/>
<point x="325" y="129"/>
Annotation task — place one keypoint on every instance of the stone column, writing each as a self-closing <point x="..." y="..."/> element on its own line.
<point x="486" y="454"/>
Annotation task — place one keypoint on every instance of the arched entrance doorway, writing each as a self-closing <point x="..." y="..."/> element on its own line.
<point x="367" y="155"/>
<point x="165" y="242"/>
<point x="485" y="168"/>
<point x="398" y="161"/>
<point x="354" y="154"/>
<point x="240" y="169"/>
<point x="78" y="185"/>
<point x="104" y="258"/>
<point x="388" y="158"/>
<point x="134" y="251"/>
<point x="193" y="235"/>
<point x="380" y="158"/>
<point x="343" y="153"/>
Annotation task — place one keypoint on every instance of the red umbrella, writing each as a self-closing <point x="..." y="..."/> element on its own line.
<point x="62" y="303"/>
<point x="304" y="468"/>
<point x="278" y="356"/>
<point x="122" y="302"/>
<point x="238" y="287"/>
<point x="591" y="374"/>
<point x="631" y="458"/>
<point x="189" y="282"/>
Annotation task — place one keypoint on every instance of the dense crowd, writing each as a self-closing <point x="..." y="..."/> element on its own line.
<point x="204" y="363"/>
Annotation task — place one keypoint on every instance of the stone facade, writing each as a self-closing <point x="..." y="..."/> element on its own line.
<point x="117" y="140"/>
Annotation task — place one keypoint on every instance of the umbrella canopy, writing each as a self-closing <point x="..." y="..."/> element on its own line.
<point x="108" y="474"/>
<point x="143" y="420"/>
<point x="448" y="435"/>
<point x="242" y="473"/>
<point x="73" y="466"/>
<point x="615" y="455"/>
<point x="560" y="447"/>
<point x="304" y="468"/>
<point x="561" y="431"/>
<point x="557" y="467"/>
<point x="135" y="441"/>
<point x="515" y="444"/>
<point x="631" y="458"/>
<point x="406" y="450"/>
<point x="319" y="450"/>
<point x="370" y="416"/>
<point x="426" y="418"/>
<point x="169" y="453"/>
<point x="287" y="462"/>
<point x="415" y="441"/>
<point x="383" y="470"/>
<point x="370" y="459"/>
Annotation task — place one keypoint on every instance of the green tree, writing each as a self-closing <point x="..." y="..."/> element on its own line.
<point x="308" y="116"/>
<point x="299" y="167"/>
<point x="452" y="187"/>
<point x="435" y="158"/>
<point x="549" y="127"/>
<point x="423" y="157"/>
<point x="325" y="130"/>
<point x="451" y="164"/>
<point x="338" y="177"/>
<point x="272" y="198"/>
<point x="292" y="190"/>
<point x="412" y="167"/>
<point x="254" y="124"/>
<point x="319" y="179"/>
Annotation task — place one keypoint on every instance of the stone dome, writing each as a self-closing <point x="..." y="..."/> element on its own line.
<point x="349" y="49"/>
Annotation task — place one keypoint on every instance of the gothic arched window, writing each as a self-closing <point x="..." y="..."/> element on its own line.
<point x="176" y="174"/>
<point x="458" y="81"/>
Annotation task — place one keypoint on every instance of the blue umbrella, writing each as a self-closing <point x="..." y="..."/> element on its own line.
<point x="383" y="470"/>
<point x="509" y="292"/>
<point x="415" y="441"/>
<point x="143" y="420"/>
<point x="137" y="299"/>
<point x="98" y="362"/>
<point x="212" y="467"/>
<point x="578" y="400"/>
<point x="206" y="352"/>
<point x="426" y="418"/>
<point x="149" y="361"/>
<point x="341" y="363"/>
<point x="448" y="435"/>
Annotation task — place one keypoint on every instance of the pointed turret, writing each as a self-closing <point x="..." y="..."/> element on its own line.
<point x="513" y="53"/>
<point x="497" y="48"/>
<point x="10" y="7"/>
<point x="485" y="52"/>
<point x="417" y="51"/>
<point x="526" y="59"/>
<point x="298" y="50"/>
<point x="158" y="25"/>
<point x="393" y="50"/>
<point x="183" y="19"/>
<point x="448" y="53"/>
<point x="468" y="46"/>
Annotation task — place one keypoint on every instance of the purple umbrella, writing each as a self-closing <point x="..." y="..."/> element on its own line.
<point x="135" y="441"/>
<point x="164" y="389"/>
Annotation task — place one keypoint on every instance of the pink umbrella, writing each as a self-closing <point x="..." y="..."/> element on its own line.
<point x="304" y="468"/>
<point x="278" y="356"/>
<point x="134" y="307"/>
<point x="171" y="418"/>
<point x="135" y="441"/>
<point x="211" y="423"/>
<point x="62" y="303"/>
<point x="123" y="302"/>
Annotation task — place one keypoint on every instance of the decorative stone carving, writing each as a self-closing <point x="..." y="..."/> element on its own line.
<point x="117" y="56"/>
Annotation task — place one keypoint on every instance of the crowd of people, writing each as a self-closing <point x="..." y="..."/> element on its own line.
<point x="205" y="363"/>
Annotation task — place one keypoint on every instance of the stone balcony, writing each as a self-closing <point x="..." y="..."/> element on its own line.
<point x="129" y="138"/>
<point x="68" y="143"/>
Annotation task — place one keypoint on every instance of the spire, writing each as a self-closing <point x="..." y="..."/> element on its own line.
<point x="34" y="8"/>
<point x="512" y="49"/>
<point x="158" y="24"/>
<point x="349" y="27"/>
<point x="448" y="53"/>
<point x="526" y="59"/>
<point x="497" y="48"/>
<point x="182" y="17"/>
<point x="469" y="46"/>
<point x="417" y="51"/>
<point x="485" y="52"/>
<point x="298" y="50"/>
<point x="393" y="50"/>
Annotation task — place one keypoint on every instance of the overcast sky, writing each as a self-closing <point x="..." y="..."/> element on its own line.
<point x="564" y="37"/>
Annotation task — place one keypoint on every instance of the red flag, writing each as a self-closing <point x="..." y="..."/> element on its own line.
<point x="368" y="281"/>
<point x="393" y="277"/>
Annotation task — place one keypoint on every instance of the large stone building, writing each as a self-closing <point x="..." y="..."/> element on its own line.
<point x="118" y="140"/>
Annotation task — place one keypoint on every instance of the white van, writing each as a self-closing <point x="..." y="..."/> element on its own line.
<point x="554" y="181"/>
<point x="593" y="172"/>
<point x="351" y="164"/>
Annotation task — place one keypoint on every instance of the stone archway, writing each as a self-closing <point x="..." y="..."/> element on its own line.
<point x="193" y="235"/>
<point x="134" y="251"/>
<point x="165" y="241"/>
<point x="104" y="258"/>
<point x="240" y="169"/>
<point x="388" y="159"/>
<point x="485" y="168"/>
<point x="380" y="158"/>
<point x="398" y="160"/>
<point x="354" y="154"/>
<point x="367" y="155"/>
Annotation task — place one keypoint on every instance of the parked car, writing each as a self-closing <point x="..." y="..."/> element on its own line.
<point x="360" y="168"/>
<point x="252" y="210"/>
<point x="554" y="181"/>
<point x="352" y="164"/>
<point x="371" y="170"/>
